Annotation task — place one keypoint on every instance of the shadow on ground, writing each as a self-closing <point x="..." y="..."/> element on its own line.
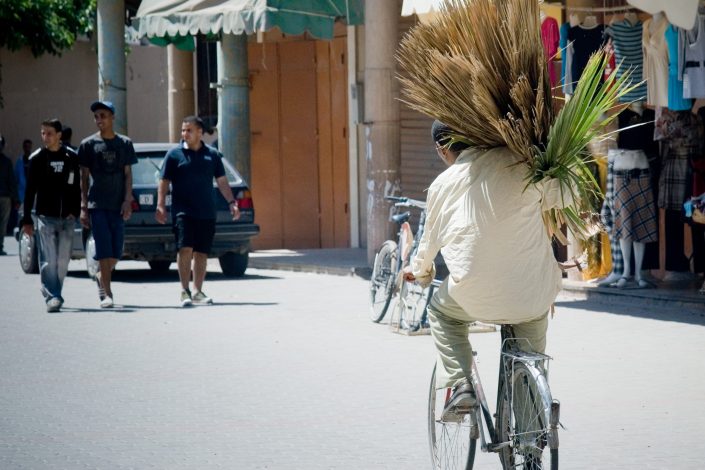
<point x="641" y="309"/>
<point x="147" y="275"/>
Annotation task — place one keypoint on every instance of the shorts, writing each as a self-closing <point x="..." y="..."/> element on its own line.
<point x="194" y="233"/>
<point x="108" y="232"/>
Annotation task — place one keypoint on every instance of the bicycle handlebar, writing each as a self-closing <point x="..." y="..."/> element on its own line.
<point x="401" y="201"/>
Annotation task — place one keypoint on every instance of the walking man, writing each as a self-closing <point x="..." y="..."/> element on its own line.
<point x="8" y="193"/>
<point x="53" y="181"/>
<point x="107" y="158"/>
<point x="190" y="169"/>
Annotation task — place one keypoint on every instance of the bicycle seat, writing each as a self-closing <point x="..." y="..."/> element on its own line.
<point x="401" y="218"/>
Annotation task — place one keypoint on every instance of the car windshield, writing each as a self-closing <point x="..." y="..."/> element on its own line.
<point x="147" y="169"/>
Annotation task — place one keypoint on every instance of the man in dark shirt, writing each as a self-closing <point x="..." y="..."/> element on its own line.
<point x="107" y="158"/>
<point x="190" y="169"/>
<point x="53" y="180"/>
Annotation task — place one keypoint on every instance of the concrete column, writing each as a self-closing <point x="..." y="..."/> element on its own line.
<point x="382" y="133"/>
<point x="111" y="59"/>
<point x="234" y="102"/>
<point x="181" y="94"/>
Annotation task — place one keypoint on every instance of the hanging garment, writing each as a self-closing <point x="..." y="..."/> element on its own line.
<point x="627" y="42"/>
<point x="681" y="141"/>
<point x="567" y="56"/>
<point x="607" y="215"/>
<point x="676" y="101"/>
<point x="635" y="216"/>
<point x="550" y="38"/>
<point x="692" y="54"/>
<point x="656" y="61"/>
<point x="586" y="41"/>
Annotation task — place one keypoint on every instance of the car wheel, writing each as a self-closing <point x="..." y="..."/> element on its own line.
<point x="28" y="253"/>
<point x="234" y="264"/>
<point x="92" y="266"/>
<point x="159" y="266"/>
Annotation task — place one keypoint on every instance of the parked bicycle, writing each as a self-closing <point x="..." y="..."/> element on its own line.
<point x="525" y="428"/>
<point x="387" y="283"/>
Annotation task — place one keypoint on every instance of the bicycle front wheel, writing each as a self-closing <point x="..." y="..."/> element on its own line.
<point x="523" y="420"/>
<point x="452" y="444"/>
<point x="382" y="280"/>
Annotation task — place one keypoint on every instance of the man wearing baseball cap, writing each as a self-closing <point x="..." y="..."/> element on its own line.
<point x="106" y="157"/>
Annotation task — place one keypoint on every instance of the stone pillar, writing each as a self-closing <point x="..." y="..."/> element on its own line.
<point x="382" y="133"/>
<point x="234" y="102"/>
<point x="111" y="59"/>
<point x="181" y="94"/>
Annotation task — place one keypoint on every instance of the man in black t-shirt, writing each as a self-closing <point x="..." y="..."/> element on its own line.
<point x="53" y="181"/>
<point x="107" y="158"/>
<point x="190" y="169"/>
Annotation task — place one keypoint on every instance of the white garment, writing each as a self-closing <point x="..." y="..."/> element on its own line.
<point x="492" y="236"/>
<point x="656" y="61"/>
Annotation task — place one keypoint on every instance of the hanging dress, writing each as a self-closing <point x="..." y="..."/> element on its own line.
<point x="656" y="61"/>
<point x="627" y="42"/>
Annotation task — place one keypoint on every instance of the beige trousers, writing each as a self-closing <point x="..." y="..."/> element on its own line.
<point x="450" y="328"/>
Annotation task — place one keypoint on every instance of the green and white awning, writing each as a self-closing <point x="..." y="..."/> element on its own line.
<point x="174" y="19"/>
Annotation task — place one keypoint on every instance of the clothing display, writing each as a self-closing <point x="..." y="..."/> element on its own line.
<point x="607" y="214"/>
<point x="629" y="55"/>
<point x="586" y="41"/>
<point x="550" y="38"/>
<point x="676" y="101"/>
<point x="692" y="58"/>
<point x="681" y="140"/>
<point x="567" y="56"/>
<point x="635" y="216"/>
<point x="656" y="60"/>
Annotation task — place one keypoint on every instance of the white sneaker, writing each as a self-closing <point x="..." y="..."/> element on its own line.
<point x="107" y="302"/>
<point x="53" y="304"/>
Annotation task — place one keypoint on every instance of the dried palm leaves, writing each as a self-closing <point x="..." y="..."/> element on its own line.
<point x="480" y="68"/>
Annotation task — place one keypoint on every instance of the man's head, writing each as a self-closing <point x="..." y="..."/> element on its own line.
<point x="26" y="146"/>
<point x="66" y="135"/>
<point x="51" y="134"/>
<point x="447" y="150"/>
<point x="104" y="116"/>
<point x="192" y="131"/>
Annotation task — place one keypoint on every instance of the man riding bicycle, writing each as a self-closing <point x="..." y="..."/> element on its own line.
<point x="488" y="225"/>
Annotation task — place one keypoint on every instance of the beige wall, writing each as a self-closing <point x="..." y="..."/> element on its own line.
<point x="63" y="87"/>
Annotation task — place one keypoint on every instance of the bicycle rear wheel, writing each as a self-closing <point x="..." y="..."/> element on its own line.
<point x="382" y="280"/>
<point x="523" y="420"/>
<point x="452" y="443"/>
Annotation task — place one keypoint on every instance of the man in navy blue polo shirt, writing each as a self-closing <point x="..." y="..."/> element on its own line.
<point x="190" y="169"/>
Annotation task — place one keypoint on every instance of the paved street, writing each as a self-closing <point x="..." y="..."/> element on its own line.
<point x="287" y="372"/>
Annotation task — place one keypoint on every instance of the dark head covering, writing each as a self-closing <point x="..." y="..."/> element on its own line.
<point x="441" y="135"/>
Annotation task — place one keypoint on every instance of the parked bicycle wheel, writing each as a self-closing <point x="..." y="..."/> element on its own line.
<point x="523" y="420"/>
<point x="382" y="280"/>
<point x="452" y="444"/>
<point x="409" y="308"/>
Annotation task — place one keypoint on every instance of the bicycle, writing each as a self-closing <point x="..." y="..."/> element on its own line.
<point x="525" y="428"/>
<point x="386" y="280"/>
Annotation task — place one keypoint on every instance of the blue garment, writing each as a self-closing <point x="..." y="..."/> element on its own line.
<point x="20" y="176"/>
<point x="108" y="233"/>
<point x="563" y="44"/>
<point x="191" y="174"/>
<point x="628" y="51"/>
<point x="676" y="102"/>
<point x="55" y="239"/>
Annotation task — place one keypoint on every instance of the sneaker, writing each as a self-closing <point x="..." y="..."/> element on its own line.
<point x="106" y="302"/>
<point x="186" y="298"/>
<point x="53" y="304"/>
<point x="201" y="298"/>
<point x="461" y="401"/>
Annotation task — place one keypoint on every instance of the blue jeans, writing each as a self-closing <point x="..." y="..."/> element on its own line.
<point x="55" y="240"/>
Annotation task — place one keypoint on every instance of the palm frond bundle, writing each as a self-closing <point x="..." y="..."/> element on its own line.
<point x="480" y="68"/>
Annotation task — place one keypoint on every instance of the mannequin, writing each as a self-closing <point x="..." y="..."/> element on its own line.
<point x="574" y="19"/>
<point x="590" y="21"/>
<point x="626" y="161"/>
<point x="631" y="17"/>
<point x="629" y="205"/>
